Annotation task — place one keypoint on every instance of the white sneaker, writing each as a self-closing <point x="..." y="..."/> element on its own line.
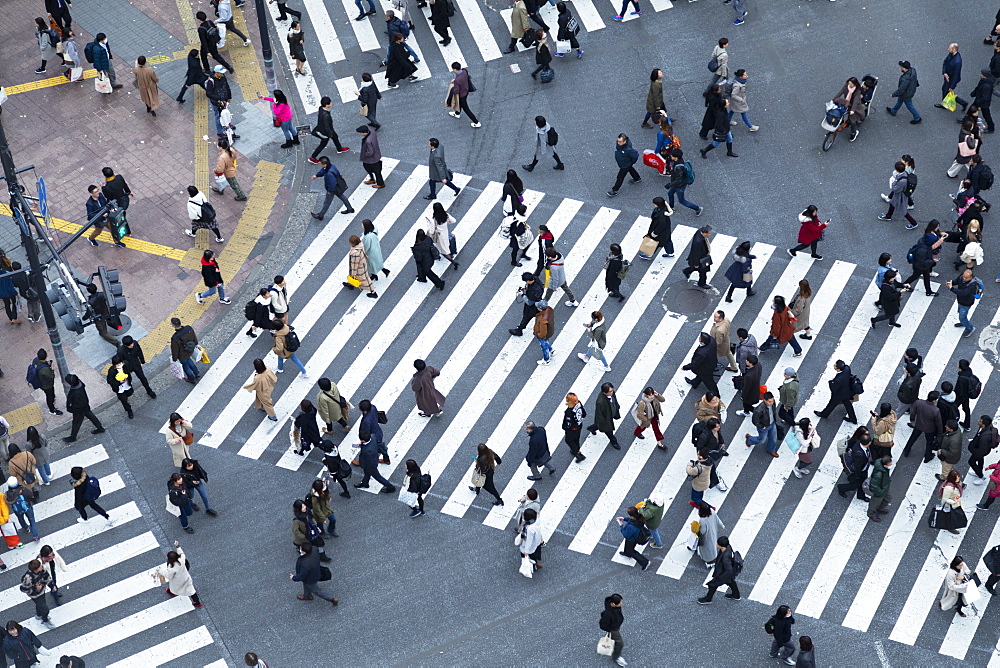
<point x="80" y="520"/>
<point x="198" y="298"/>
<point x="621" y="661"/>
<point x="543" y="362"/>
<point x="476" y="125"/>
<point x="280" y="370"/>
<point x="797" y="473"/>
<point x="976" y="480"/>
<point x="885" y="198"/>
<point x="246" y="42"/>
<point x="189" y="233"/>
<point x="742" y="413"/>
<point x="573" y="303"/>
<point x="806" y="471"/>
<point x="754" y="128"/>
<point x="607" y="367"/>
<point x="732" y="122"/>
<point x="453" y="114"/>
<point x="583" y="357"/>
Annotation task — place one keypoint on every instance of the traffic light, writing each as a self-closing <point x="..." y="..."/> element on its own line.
<point x="113" y="295"/>
<point x="117" y="224"/>
<point x="62" y="304"/>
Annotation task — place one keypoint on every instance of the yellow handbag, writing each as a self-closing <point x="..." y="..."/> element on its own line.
<point x="695" y="526"/>
<point x="204" y="357"/>
<point x="353" y="281"/>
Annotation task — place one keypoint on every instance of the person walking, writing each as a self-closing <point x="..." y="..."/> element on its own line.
<point x="86" y="492"/>
<point x="183" y="344"/>
<point x="282" y="113"/>
<point x="225" y="171"/>
<point x="437" y="223"/>
<point x="49" y="557"/>
<point x="654" y="98"/>
<point x="179" y="438"/>
<point x="440" y="18"/>
<point x="115" y="188"/>
<point x="373" y="249"/>
<point x="811" y="232"/>
<point x="527" y="502"/>
<point x="544" y="145"/>
<point x="101" y="52"/>
<point x="146" y="81"/>
<point x="398" y="25"/>
<point x="857" y="460"/>
<point x="765" y="419"/>
<point x="967" y="289"/>
<point x="323" y="130"/>
<point x="703" y="364"/>
<point x="950" y="515"/>
<point x="34" y="582"/>
<point x="740" y="272"/>
<point x="567" y="30"/>
<point x="949" y="448"/>
<point x="841" y="392"/>
<point x="926" y="420"/>
<point x="196" y="478"/>
<point x="647" y="413"/>
<point x="202" y="215"/>
<point x="993" y="490"/>
<point x="969" y="145"/>
<point x="659" y="229"/>
<point x="513" y="189"/>
<point x="278" y="290"/>
<point x="212" y="276"/>
<point x="119" y="377"/>
<point x="750" y="384"/>
<point x="371" y="156"/>
<point x="544" y="330"/>
<point x="538" y="451"/>
<point x="723" y="574"/>
<point x="19" y="498"/>
<point x="429" y="401"/>
<point x="296" y="47"/>
<point x="611" y="623"/>
<point x="529" y="294"/>
<point x="131" y="352"/>
<point x="905" y="91"/>
<point x="58" y="11"/>
<point x="9" y="295"/>
<point x="334" y="185"/>
<point x="722" y="132"/>
<point x="709" y="406"/>
<point x="23" y="647"/>
<point x="720" y="56"/>
<point x="921" y="257"/>
<point x="258" y="312"/>
<point x="883" y="426"/>
<point x="596" y="332"/>
<point x="357" y="269"/>
<point x="461" y="88"/>
<point x="983" y="97"/>
<point x="520" y="239"/>
<point x="956" y="586"/>
<point x="179" y="496"/>
<point x="681" y="176"/>
<point x="369" y="460"/>
<point x="951" y="70"/>
<point x="788" y="396"/>
<point x="485" y="466"/>
<point x="47" y="379"/>
<point x="700" y="471"/>
<point x="800" y="309"/>
<point x="556" y="269"/>
<point x="625" y="157"/>
<point x="423" y="256"/>
<point x="780" y="625"/>
<point x="369" y="96"/>
<point x="176" y="575"/>
<point x="606" y="412"/>
<point x="543" y="54"/>
<point x="285" y="345"/>
<point x="615" y="268"/>
<point x="782" y="328"/>
<point x="308" y="571"/>
<point x="219" y="93"/>
<point x="208" y="38"/>
<point x="808" y="441"/>
<point x="699" y="258"/>
<point x="333" y="407"/>
<point x="709" y="528"/>
<point x="980" y="445"/>
<point x="195" y="75"/>
<point x="572" y="423"/>
<point x="878" y="485"/>
<point x="78" y="404"/>
<point x="415" y="484"/>
<point x="38" y="446"/>
<point x="262" y="385"/>
<point x="634" y="531"/>
<point x="224" y="10"/>
<point x="437" y="170"/>
<point x="738" y="100"/>
<point x="95" y="206"/>
<point x="519" y="26"/>
<point x="398" y="65"/>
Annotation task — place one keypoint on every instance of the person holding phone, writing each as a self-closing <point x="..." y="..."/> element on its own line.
<point x="811" y="232"/>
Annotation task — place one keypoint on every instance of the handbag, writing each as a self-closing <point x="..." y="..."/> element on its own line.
<point x="188" y="437"/>
<point x="407" y="497"/>
<point x="353" y="281"/>
<point x="547" y="75"/>
<point x="527" y="568"/>
<point x="518" y="539"/>
<point x="562" y="46"/>
<point x="76" y="74"/>
<point x="171" y="508"/>
<point x="363" y="111"/>
<point x="176" y="369"/>
<point x="524" y="240"/>
<point x="718" y="136"/>
<point x="748" y="277"/>
<point x="478" y="478"/>
<point x="276" y="122"/>
<point x="102" y="84"/>
<point x="606" y="645"/>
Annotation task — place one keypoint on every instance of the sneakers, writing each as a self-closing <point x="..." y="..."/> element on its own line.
<point x="909" y="226"/>
<point x="571" y="303"/>
<point x="705" y="601"/>
<point x="92" y="243"/>
<point x="617" y="18"/>
<point x="198" y="298"/>
<point x="696" y="213"/>
<point x="189" y="233"/>
<point x="454" y="114"/>
<point x="40" y="71"/>
<point x="886" y="198"/>
<point x="543" y="362"/>
<point x="313" y="160"/>
<point x="754" y="128"/>
<point x="584" y="357"/>
<point x="415" y="512"/>
<point x="883" y="218"/>
<point x="476" y="125"/>
<point x="226" y="301"/>
<point x="739" y="22"/>
<point x="621" y="661"/>
<point x="607" y="367"/>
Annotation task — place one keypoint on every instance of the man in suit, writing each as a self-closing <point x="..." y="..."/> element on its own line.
<point x="699" y="258"/>
<point x="437" y="169"/>
<point x="723" y="573"/>
<point x="703" y="364"/>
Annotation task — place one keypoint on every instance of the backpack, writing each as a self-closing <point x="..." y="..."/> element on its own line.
<point x="623" y="272"/>
<point x="975" y="387"/>
<point x="425" y="483"/>
<point x="644" y="535"/>
<point x="207" y="211"/>
<point x="250" y="310"/>
<point x="404" y="29"/>
<point x="737" y="563"/>
<point x="696" y="431"/>
<point x="32" y="375"/>
<point x="688" y="173"/>
<point x="292" y="342"/>
<point x="713" y="64"/>
<point x="911" y="255"/>
<point x="552" y="137"/>
<point x="769" y="627"/>
<point x="857" y="387"/>
<point x="986" y="178"/>
<point x="727" y="88"/>
<point x="211" y="32"/>
<point x="92" y="491"/>
<point x="911" y="183"/>
<point x="53" y="37"/>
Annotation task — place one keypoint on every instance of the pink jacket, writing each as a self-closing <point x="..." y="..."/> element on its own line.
<point x="995" y="478"/>
<point x="281" y="111"/>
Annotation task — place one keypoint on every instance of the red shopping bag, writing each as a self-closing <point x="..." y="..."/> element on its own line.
<point x="650" y="159"/>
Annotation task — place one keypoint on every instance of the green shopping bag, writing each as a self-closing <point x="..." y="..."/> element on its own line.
<point x="950" y="101"/>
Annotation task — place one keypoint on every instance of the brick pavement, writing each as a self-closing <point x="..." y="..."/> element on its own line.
<point x="69" y="132"/>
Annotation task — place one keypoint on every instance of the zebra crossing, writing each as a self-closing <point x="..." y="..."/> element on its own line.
<point x="109" y="573"/>
<point x="846" y="570"/>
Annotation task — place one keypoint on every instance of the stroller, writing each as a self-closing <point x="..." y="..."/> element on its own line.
<point x="836" y="118"/>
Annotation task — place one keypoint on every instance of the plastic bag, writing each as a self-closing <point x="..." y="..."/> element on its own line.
<point x="177" y="369"/>
<point x="204" y="357"/>
<point x="527" y="567"/>
<point x="950" y="101"/>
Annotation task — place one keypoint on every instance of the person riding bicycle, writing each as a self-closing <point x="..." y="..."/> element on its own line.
<point x="851" y="97"/>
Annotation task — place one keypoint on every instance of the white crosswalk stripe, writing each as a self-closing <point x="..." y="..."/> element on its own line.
<point x="463" y="334"/>
<point x="125" y="551"/>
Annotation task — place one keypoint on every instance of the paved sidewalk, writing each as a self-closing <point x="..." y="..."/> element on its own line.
<point x="69" y="132"/>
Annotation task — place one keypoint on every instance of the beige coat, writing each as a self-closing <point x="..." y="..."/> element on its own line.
<point x="225" y="164"/>
<point x="801" y="311"/>
<point x="700" y="473"/>
<point x="953" y="588"/>
<point x="358" y="267"/>
<point x="519" y="20"/>
<point x="176" y="442"/>
<point x="177" y="576"/>
<point x="647" y="408"/>
<point x="262" y="383"/>
<point x="279" y="343"/>
<point x="951" y="496"/>
<point x="884" y="429"/>
<point x="328" y="405"/>
<point x="703" y="412"/>
<point x="19" y="464"/>
<point x="146" y="78"/>
<point x="720" y="332"/>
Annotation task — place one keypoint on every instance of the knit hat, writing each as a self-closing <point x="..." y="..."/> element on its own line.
<point x="542" y="304"/>
<point x="789" y="371"/>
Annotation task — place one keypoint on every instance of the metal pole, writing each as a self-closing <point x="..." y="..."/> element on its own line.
<point x="265" y="45"/>
<point x="17" y="203"/>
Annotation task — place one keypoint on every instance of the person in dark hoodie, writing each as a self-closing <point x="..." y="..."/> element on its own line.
<point x="611" y="623"/>
<point x="781" y="642"/>
<point x="195" y="75"/>
<point x="424" y="259"/>
<point x="538" y="450"/>
<point x="923" y="262"/>
<point x="659" y="227"/>
<point x="963" y="389"/>
<point x="307" y="571"/>
<point x="626" y="157"/>
<point x="982" y="96"/>
<point x="78" y="404"/>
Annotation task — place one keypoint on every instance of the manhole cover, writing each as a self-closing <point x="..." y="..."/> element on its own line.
<point x="686" y="298"/>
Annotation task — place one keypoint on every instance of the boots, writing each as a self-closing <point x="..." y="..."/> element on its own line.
<point x="295" y="140"/>
<point x="333" y="529"/>
<point x="704" y="151"/>
<point x="559" y="163"/>
<point x="729" y="149"/>
<point x="530" y="167"/>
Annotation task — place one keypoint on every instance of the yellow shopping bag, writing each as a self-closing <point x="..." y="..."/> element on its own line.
<point x="356" y="282"/>
<point x="204" y="357"/>
<point x="950" y="101"/>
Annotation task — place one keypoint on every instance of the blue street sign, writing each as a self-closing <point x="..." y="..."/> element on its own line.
<point x="43" y="203"/>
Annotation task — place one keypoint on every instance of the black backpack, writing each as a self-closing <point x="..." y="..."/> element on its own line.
<point x="769" y="627"/>
<point x="292" y="342"/>
<point x="53" y="37"/>
<point x="696" y="431"/>
<point x="425" y="483"/>
<point x="211" y="32"/>
<point x="644" y="535"/>
<point x="911" y="255"/>
<point x="975" y="387"/>
<point x="88" y="51"/>
<point x="857" y="387"/>
<point x="737" y="563"/>
<point x="250" y="310"/>
<point x="551" y="137"/>
<point x="207" y="211"/>
<point x="986" y="178"/>
<point x="911" y="183"/>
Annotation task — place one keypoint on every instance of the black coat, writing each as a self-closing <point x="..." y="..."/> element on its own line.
<point x="962" y="384"/>
<point x="703" y="361"/>
<point x="612" y="617"/>
<point x="398" y="66"/>
<point x="133" y="356"/>
<point x="76" y="398"/>
<point x="699" y="250"/>
<point x="324" y="123"/>
<point x="307" y="568"/>
<point x="538" y="447"/>
<point x="195" y="74"/>
<point x="422" y="254"/>
<point x="723" y="572"/>
<point x="840" y="386"/>
<point x="659" y="226"/>
<point x="564" y="33"/>
<point x="983" y="92"/>
<point x="543" y="56"/>
<point x="439" y="13"/>
<point x="370" y="96"/>
<point x="783" y="629"/>
<point x="750" y="394"/>
<point x="889" y="297"/>
<point x="721" y="120"/>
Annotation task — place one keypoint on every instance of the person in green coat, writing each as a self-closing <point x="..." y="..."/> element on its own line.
<point x="373" y="249"/>
<point x="788" y="397"/>
<point x="654" y="99"/>
<point x="605" y="414"/>
<point x="652" y="511"/>
<point x="879" y="486"/>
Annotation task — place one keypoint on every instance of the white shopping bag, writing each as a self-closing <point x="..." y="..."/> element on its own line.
<point x="527" y="567"/>
<point x="76" y="74"/>
<point x="562" y="46"/>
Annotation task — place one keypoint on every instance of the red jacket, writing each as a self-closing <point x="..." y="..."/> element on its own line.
<point x="811" y="229"/>
<point x="781" y="325"/>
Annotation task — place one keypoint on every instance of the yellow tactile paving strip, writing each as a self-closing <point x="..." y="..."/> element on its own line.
<point x="24" y="417"/>
<point x="134" y="244"/>
<point x="235" y="254"/>
<point x="244" y="61"/>
<point x="87" y="74"/>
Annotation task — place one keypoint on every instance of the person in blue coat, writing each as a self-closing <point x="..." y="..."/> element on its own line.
<point x="740" y="272"/>
<point x="9" y="295"/>
<point x="22" y="646"/>
<point x="626" y="157"/>
<point x="369" y="423"/>
<point x="369" y="463"/>
<point x="951" y="71"/>
<point x="373" y="249"/>
<point x="335" y="186"/>
<point x="538" y="450"/>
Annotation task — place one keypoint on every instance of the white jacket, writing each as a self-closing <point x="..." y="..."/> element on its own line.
<point x="178" y="577"/>
<point x="532" y="538"/>
<point x="194" y="206"/>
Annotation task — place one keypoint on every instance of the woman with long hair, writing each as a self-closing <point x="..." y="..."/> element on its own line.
<point x="179" y="437"/>
<point x="437" y="222"/>
<point x="176" y="575"/>
<point x="801" y="301"/>
<point x="956" y="585"/>
<point x="782" y="328"/>
<point x="262" y="385"/>
<point x="282" y="112"/>
<point x="486" y="465"/>
<point x="38" y="446"/>
<point x="358" y="267"/>
<point x="225" y="170"/>
<point x="513" y="189"/>
<point x="322" y="510"/>
<point x="884" y="427"/>
<point x="613" y="264"/>
<point x="413" y="487"/>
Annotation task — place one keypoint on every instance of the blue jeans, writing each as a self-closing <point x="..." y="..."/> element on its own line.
<point x="743" y="115"/>
<point x="218" y="119"/>
<point x="211" y="291"/>
<point x="289" y="131"/>
<point x="547" y="349"/>
<point x="186" y="512"/>
<point x="909" y="107"/>
<point x="190" y="369"/>
<point x="697" y="496"/>
<point x="655" y="533"/>
<point x="770" y="433"/>
<point x="294" y="358"/>
<point x="203" y="493"/>
<point x="963" y="317"/>
<point x="406" y="46"/>
<point x="680" y="198"/>
<point x="738" y="6"/>
<point x="45" y="471"/>
<point x="590" y="351"/>
<point x="30" y="523"/>
<point x="371" y="6"/>
<point x="729" y="139"/>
